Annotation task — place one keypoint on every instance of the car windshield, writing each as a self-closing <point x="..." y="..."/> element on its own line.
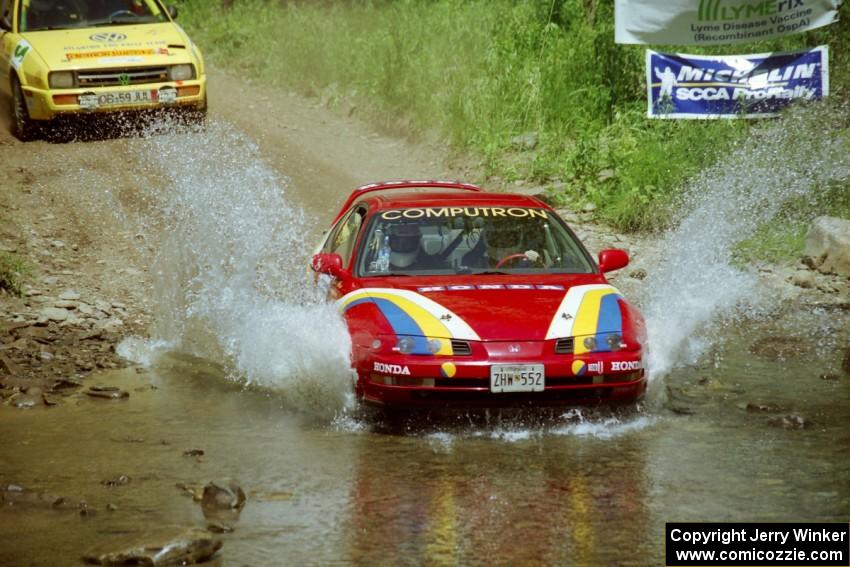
<point x="39" y="15"/>
<point x="469" y="240"/>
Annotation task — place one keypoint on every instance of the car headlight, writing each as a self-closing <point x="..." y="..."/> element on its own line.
<point x="434" y="345"/>
<point x="590" y="343"/>
<point x="181" y="72"/>
<point x="61" y="80"/>
<point x="614" y="341"/>
<point x="405" y="345"/>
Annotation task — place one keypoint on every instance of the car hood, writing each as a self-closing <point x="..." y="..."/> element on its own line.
<point x="506" y="311"/>
<point x="108" y="46"/>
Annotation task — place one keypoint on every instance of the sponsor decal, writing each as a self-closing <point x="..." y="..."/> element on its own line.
<point x="449" y="212"/>
<point x="626" y="365"/>
<point x="580" y="367"/>
<point x="108" y="53"/>
<point x="391" y="368"/>
<point x="413" y="315"/>
<point x="448" y="370"/>
<point x="123" y="79"/>
<point x="588" y="310"/>
<point x="714" y="22"/>
<point x="20" y="52"/>
<point x="733" y="86"/>
<point x="108" y="37"/>
<point x="486" y="287"/>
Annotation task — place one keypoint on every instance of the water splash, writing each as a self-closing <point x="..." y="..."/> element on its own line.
<point x="696" y="287"/>
<point x="229" y="274"/>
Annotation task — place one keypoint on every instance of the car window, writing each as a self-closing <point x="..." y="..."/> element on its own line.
<point x="342" y="239"/>
<point x="6" y="10"/>
<point x="469" y="240"/>
<point x="63" y="14"/>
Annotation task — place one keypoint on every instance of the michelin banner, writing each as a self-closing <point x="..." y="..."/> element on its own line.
<point x="733" y="86"/>
<point x="712" y="22"/>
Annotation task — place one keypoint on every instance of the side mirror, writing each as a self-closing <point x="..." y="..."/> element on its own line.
<point x="172" y="11"/>
<point x="6" y="22"/>
<point x="612" y="259"/>
<point x="330" y="264"/>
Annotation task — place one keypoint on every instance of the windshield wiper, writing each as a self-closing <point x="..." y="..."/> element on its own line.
<point x="489" y="273"/>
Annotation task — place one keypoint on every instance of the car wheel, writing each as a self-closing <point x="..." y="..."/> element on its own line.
<point x="22" y="125"/>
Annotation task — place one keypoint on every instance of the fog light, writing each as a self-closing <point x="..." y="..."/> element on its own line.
<point x="434" y="345"/>
<point x="405" y="345"/>
<point x="614" y="341"/>
<point x="376" y="344"/>
<point x="61" y="80"/>
<point x="590" y="343"/>
<point x="181" y="72"/>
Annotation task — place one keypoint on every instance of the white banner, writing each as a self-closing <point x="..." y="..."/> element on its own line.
<point x="712" y="22"/>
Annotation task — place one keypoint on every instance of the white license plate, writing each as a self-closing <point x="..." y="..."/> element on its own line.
<point x="517" y="378"/>
<point x="127" y="97"/>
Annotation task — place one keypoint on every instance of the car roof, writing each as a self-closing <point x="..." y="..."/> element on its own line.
<point x="441" y="197"/>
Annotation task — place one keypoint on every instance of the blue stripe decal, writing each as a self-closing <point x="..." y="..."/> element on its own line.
<point x="610" y="320"/>
<point x="403" y="324"/>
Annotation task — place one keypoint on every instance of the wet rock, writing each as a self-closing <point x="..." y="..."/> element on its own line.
<point x="750" y="407"/>
<point x="117" y="481"/>
<point x="111" y="507"/>
<point x="219" y="528"/>
<point x="792" y="421"/>
<point x="774" y="348"/>
<point x="829" y="377"/>
<point x="25" y="401"/>
<point x="193" y="453"/>
<point x="65" y="384"/>
<point x="55" y="313"/>
<point x="216" y="497"/>
<point x="828" y="245"/>
<point x="845" y="364"/>
<point x="107" y="392"/>
<point x="195" y="491"/>
<point x="165" y="550"/>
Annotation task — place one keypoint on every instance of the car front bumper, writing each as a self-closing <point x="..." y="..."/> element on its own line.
<point x="51" y="103"/>
<point x="420" y="382"/>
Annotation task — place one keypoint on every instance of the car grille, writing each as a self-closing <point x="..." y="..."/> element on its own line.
<point x="122" y="77"/>
<point x="564" y="346"/>
<point x="461" y="348"/>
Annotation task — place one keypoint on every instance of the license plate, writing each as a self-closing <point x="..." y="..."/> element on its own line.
<point x="517" y="378"/>
<point x="127" y="97"/>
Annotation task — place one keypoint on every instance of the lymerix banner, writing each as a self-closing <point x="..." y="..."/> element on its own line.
<point x="712" y="22"/>
<point x="733" y="86"/>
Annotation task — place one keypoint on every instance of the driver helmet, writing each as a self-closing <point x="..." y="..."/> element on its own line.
<point x="404" y="244"/>
<point x="503" y="237"/>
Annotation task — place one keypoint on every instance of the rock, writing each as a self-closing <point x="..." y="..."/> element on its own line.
<point x="639" y="274"/>
<point x="8" y="367"/>
<point x="828" y="245"/>
<point x="85" y="309"/>
<point x="527" y="141"/>
<point x="761" y="408"/>
<point x="193" y="452"/>
<point x="25" y="401"/>
<point x="605" y="175"/>
<point x="70" y="295"/>
<point x="845" y="364"/>
<point x="107" y="392"/>
<point x="589" y="208"/>
<point x="65" y="304"/>
<point x="792" y="421"/>
<point x="829" y="377"/>
<point x="163" y="550"/>
<point x="117" y="481"/>
<point x="803" y="279"/>
<point x="219" y="528"/>
<point x="55" y="313"/>
<point x="216" y="497"/>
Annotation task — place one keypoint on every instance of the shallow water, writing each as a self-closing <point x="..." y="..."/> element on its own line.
<point x="581" y="488"/>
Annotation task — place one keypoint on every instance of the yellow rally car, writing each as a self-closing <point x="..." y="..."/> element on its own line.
<point x="71" y="57"/>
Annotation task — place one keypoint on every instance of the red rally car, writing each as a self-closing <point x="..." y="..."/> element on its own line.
<point x="455" y="296"/>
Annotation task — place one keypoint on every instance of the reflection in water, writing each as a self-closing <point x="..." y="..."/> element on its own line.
<point x="542" y="501"/>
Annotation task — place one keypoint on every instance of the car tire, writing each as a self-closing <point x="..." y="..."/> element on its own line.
<point x="23" y="127"/>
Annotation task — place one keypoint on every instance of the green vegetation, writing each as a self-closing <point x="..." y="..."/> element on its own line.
<point x="536" y="89"/>
<point x="12" y="271"/>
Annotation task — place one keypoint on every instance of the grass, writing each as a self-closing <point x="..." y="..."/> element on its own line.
<point x="13" y="269"/>
<point x="480" y="73"/>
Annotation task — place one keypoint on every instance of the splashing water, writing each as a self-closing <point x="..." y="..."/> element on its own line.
<point x="230" y="275"/>
<point x="696" y="286"/>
